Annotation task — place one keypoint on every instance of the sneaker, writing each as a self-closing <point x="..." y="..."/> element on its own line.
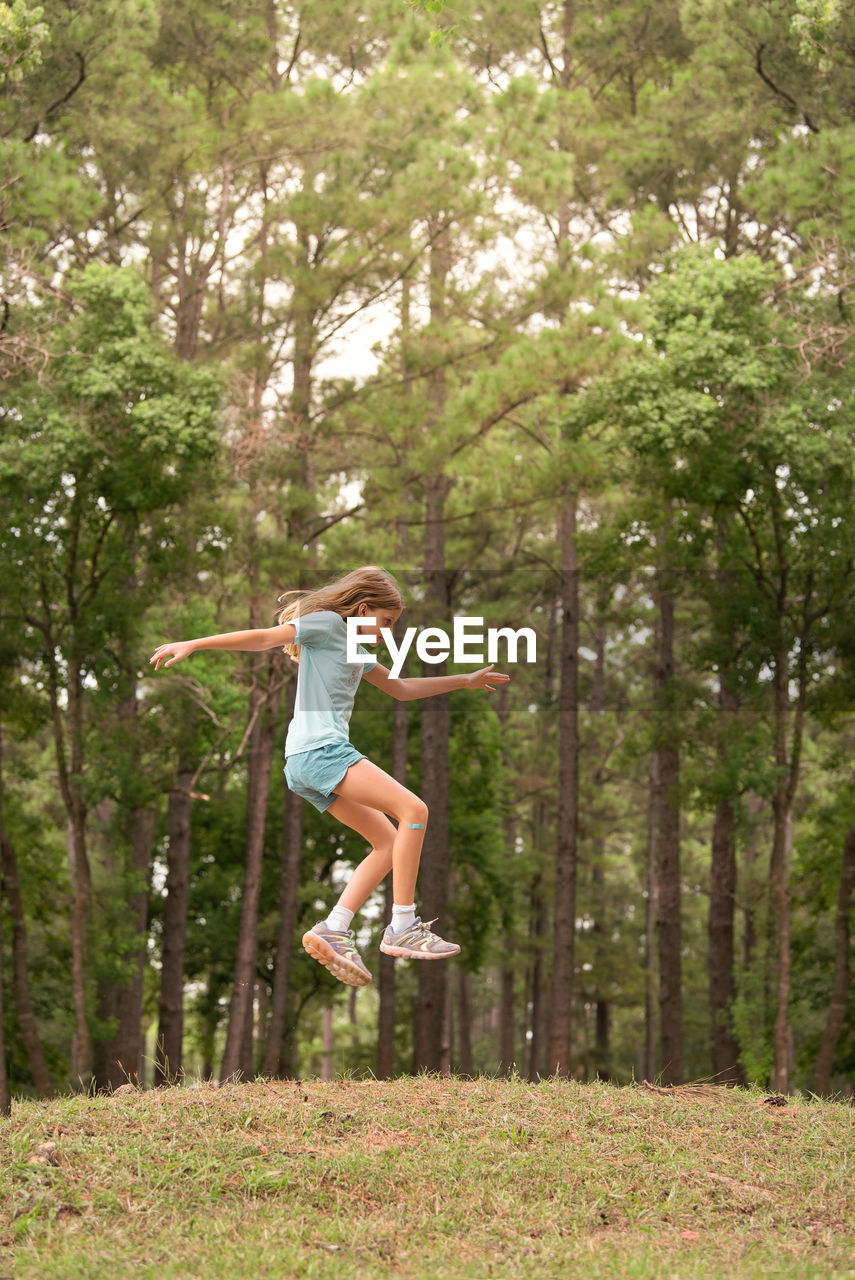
<point x="336" y="950"/>
<point x="416" y="942"/>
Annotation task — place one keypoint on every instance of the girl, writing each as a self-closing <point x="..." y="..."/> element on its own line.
<point x="323" y="767"/>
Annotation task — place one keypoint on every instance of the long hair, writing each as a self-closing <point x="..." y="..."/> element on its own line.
<point x="375" y="586"/>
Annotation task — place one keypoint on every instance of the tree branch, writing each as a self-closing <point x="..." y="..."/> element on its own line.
<point x="60" y="102"/>
<point x="781" y="93"/>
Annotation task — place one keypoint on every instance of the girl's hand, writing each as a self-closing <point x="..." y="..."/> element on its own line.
<point x="178" y="648"/>
<point x="486" y="678"/>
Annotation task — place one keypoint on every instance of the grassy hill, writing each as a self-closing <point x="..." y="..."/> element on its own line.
<point x="426" y="1178"/>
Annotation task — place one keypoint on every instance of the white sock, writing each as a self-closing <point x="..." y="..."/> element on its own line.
<point x="403" y="917"/>
<point x="339" y="919"/>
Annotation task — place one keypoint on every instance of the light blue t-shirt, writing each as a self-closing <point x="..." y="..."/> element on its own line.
<point x="326" y="683"/>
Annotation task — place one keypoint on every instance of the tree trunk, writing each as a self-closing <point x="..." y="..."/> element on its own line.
<point x="720" y="931"/>
<point x="602" y="1048"/>
<point x="651" y="916"/>
<point x="669" y="931"/>
<point x="464" y="1020"/>
<point x="5" y="1095"/>
<point x="400" y="732"/>
<point x="327" y="1044"/>
<point x="749" y="858"/>
<point x="20" y="976"/>
<point x="507" y="984"/>
<point x="289" y="883"/>
<point x="538" y="922"/>
<point x="247" y="1053"/>
<point x="507" y="1020"/>
<point x="260" y="1029"/>
<point x="780" y="885"/>
<point x="842" y="975"/>
<point x="720" y="920"/>
<point x="430" y="1048"/>
<point x="210" y="1020"/>
<point x="386" y="965"/>
<point x="568" y="802"/>
<point x="787" y="758"/>
<point x="170" y="1014"/>
<point x="237" y="1058"/>
<point x="447" y="1030"/>
<point x="430" y="1038"/>
<point x="20" y="979"/>
<point x="602" y="1039"/>
<point x="81" y="1049"/>
<point x="118" y="1060"/>
<point x="537" y="991"/>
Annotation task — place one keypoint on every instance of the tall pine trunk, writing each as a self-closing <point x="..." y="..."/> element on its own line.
<point x="563" y="955"/>
<point x="602" y="1046"/>
<point x="264" y="708"/>
<point x="538" y="922"/>
<point x="430" y="1032"/>
<point x="463" y="983"/>
<point x="5" y="1096"/>
<point x="118" y="1060"/>
<point x="722" y="907"/>
<point x="71" y="780"/>
<point x="651" y="983"/>
<point x="507" y="977"/>
<point x="536" y="994"/>
<point x="289" y="883"/>
<point x="510" y="959"/>
<point x="842" y="973"/>
<point x="566" y="855"/>
<point x="170" y="1017"/>
<point x="400" y="732"/>
<point x="386" y="966"/>
<point x="788" y="744"/>
<point x="755" y="806"/>
<point x="431" y="1047"/>
<point x="779" y="876"/>
<point x="507" y="1018"/>
<point x="668" y="929"/>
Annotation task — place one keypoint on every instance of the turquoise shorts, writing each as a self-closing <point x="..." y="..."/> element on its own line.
<point x="314" y="774"/>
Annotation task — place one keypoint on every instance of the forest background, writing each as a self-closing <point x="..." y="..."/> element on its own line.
<point x="547" y="308"/>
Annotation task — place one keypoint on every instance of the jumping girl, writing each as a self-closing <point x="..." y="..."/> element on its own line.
<point x="324" y="768"/>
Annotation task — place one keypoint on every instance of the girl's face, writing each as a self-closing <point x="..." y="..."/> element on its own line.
<point x="382" y="618"/>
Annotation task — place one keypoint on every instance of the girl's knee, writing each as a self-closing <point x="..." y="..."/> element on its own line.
<point x="417" y="813"/>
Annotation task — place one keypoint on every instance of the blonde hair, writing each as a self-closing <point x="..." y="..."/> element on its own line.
<point x="374" y="586"/>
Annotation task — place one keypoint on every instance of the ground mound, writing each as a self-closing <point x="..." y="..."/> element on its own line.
<point x="416" y="1179"/>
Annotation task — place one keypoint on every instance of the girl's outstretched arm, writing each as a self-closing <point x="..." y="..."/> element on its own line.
<point x="408" y="690"/>
<point x="254" y="640"/>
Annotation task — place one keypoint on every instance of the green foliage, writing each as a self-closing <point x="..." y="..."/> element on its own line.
<point x="752" y="1024"/>
<point x="22" y="34"/>
<point x="817" y="24"/>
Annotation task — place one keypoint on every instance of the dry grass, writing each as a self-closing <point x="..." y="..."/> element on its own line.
<point x="428" y="1178"/>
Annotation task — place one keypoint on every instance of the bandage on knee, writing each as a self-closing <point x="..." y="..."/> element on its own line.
<point x="416" y="826"/>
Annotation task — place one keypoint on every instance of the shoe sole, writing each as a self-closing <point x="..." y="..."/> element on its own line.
<point x="403" y="954"/>
<point x="319" y="949"/>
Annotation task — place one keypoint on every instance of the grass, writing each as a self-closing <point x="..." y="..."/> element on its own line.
<point x="428" y="1179"/>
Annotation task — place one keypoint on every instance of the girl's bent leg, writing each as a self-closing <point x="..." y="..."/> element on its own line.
<point x="380" y="834"/>
<point x="367" y="785"/>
